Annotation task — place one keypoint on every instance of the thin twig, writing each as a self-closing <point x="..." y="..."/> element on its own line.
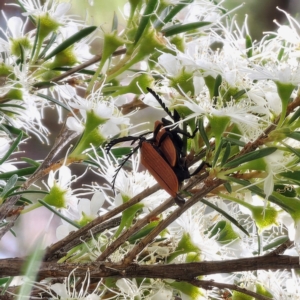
<point x="209" y="284"/>
<point x="82" y="231"/>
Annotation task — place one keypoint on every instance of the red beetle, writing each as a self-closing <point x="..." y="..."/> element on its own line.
<point x="162" y="155"/>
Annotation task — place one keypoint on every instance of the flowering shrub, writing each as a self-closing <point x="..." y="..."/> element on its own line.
<point x="230" y="108"/>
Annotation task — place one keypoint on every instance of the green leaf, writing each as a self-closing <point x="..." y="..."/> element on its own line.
<point x="30" y="270"/>
<point x="294" y="117"/>
<point x="158" y="23"/>
<point x="22" y="56"/>
<point x="49" y="44"/>
<point x="250" y="156"/>
<point x="228" y="188"/>
<point x="20" y="172"/>
<point x="258" y="191"/>
<point x="5" y="281"/>
<point x="234" y="141"/>
<point x="59" y="214"/>
<point x="13" y="130"/>
<point x="203" y="133"/>
<point x="218" y="83"/>
<point x="30" y="161"/>
<point x="143" y="232"/>
<point x="13" y="146"/>
<point x="217" y="153"/>
<point x="23" y="201"/>
<point x="114" y="23"/>
<point x="239" y="94"/>
<point x="169" y="12"/>
<point x="249" y="45"/>
<point x="281" y="51"/>
<point x="276" y="242"/>
<point x="9" y="185"/>
<point x="294" y="135"/>
<point x="293" y="150"/>
<point x="151" y="6"/>
<point x="226" y="154"/>
<point x="37" y="34"/>
<point x="226" y="215"/>
<point x="179" y="28"/>
<point x="23" y="8"/>
<point x="12" y="105"/>
<point x="71" y="41"/>
<point x="54" y="101"/>
<point x="176" y="10"/>
<point x="29" y="192"/>
<point x="294" y="175"/>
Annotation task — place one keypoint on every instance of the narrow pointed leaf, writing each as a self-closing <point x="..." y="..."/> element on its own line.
<point x="5" y="281"/>
<point x="218" y="83"/>
<point x="179" y="28"/>
<point x="30" y="270"/>
<point x="20" y="173"/>
<point x="217" y="153"/>
<point x="203" y="133"/>
<point x="256" y="190"/>
<point x="228" y="188"/>
<point x="176" y="10"/>
<point x="49" y="44"/>
<point x="9" y="185"/>
<point x="53" y="100"/>
<point x="239" y="94"/>
<point x="281" y="51"/>
<point x="37" y="34"/>
<point x="145" y="19"/>
<point x="114" y="23"/>
<point x="13" y="146"/>
<point x="294" y="117"/>
<point x="226" y="154"/>
<point x="159" y="22"/>
<point x="250" y="156"/>
<point x="31" y="161"/>
<point x="59" y="214"/>
<point x="276" y="242"/>
<point x="249" y="45"/>
<point x="293" y="150"/>
<point x="71" y="41"/>
<point x="225" y="215"/>
<point x="234" y="141"/>
<point x="294" y="135"/>
<point x="13" y="129"/>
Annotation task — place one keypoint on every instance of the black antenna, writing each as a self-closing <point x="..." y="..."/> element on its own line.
<point x="162" y="104"/>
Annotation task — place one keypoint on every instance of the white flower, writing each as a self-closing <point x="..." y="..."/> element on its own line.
<point x="66" y="291"/>
<point x="103" y="109"/>
<point x="87" y="211"/>
<point x="56" y="10"/>
<point x="67" y="203"/>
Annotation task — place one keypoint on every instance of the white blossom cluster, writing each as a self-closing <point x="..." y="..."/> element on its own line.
<point x="233" y="93"/>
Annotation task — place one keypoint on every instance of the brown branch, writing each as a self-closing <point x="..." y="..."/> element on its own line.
<point x="143" y="222"/>
<point x="209" y="284"/>
<point x="129" y="258"/>
<point x="87" y="236"/>
<point x="64" y="137"/>
<point x="182" y="272"/>
<point x="281" y="248"/>
<point x="82" y="231"/>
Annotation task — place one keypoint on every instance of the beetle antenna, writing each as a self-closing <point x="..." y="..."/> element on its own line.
<point x="161" y="103"/>
<point x="109" y="145"/>
<point x="123" y="163"/>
